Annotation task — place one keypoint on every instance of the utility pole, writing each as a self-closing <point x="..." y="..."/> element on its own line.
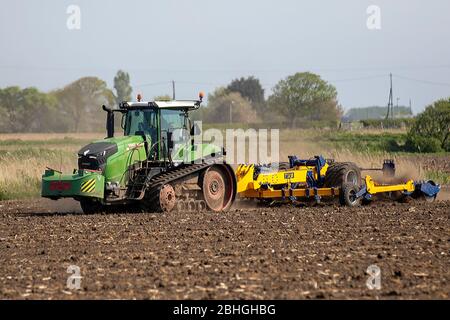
<point x="173" y="90"/>
<point x="390" y="108"/>
<point x="231" y="112"/>
<point x="397" y="107"/>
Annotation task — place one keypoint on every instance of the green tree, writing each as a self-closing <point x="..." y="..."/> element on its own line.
<point x="224" y="106"/>
<point x="81" y="102"/>
<point x="305" y="96"/>
<point x="249" y="88"/>
<point x="431" y="130"/>
<point x="122" y="86"/>
<point x="28" y="110"/>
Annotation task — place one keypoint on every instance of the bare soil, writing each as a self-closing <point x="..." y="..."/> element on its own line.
<point x="265" y="253"/>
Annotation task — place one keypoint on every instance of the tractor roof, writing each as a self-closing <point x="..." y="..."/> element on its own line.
<point x="172" y="104"/>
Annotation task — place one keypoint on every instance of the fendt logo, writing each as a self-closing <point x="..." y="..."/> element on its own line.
<point x="59" y="186"/>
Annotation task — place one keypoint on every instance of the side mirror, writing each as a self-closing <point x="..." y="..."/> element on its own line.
<point x="195" y="130"/>
<point x="109" y="121"/>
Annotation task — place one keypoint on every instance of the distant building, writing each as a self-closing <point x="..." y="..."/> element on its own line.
<point x="375" y="112"/>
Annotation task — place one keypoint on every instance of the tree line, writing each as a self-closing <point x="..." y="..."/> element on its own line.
<point x="74" y="108"/>
<point x="301" y="100"/>
<point x="296" y="101"/>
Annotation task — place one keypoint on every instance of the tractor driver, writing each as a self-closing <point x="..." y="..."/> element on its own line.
<point x="147" y="124"/>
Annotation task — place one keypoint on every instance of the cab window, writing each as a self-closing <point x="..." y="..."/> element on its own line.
<point x="172" y="119"/>
<point x="141" y="122"/>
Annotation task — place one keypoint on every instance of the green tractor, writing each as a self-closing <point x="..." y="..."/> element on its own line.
<point x="156" y="163"/>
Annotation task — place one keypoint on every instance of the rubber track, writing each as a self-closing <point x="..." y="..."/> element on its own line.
<point x="151" y="198"/>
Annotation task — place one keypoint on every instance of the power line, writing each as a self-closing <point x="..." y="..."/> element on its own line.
<point x="423" y="81"/>
<point x="216" y="84"/>
<point x="379" y="76"/>
<point x="151" y="84"/>
<point x="179" y="82"/>
<point x="210" y="84"/>
<point x="360" y="78"/>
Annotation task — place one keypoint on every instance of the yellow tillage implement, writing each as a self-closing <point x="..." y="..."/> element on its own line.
<point x="316" y="178"/>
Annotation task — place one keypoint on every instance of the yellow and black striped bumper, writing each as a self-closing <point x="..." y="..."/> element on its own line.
<point x="88" y="186"/>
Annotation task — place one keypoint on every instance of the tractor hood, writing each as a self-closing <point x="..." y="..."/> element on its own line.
<point x="97" y="149"/>
<point x="94" y="155"/>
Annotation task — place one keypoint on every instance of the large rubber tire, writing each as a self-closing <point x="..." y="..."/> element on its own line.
<point x="218" y="188"/>
<point x="347" y="195"/>
<point x="339" y="173"/>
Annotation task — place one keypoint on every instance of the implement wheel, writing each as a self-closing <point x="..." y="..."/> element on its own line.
<point x="339" y="173"/>
<point x="418" y="194"/>
<point x="218" y="188"/>
<point x="347" y="196"/>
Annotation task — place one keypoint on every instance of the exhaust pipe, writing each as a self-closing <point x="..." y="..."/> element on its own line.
<point x="109" y="121"/>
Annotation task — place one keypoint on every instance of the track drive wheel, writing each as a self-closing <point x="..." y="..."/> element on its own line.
<point x="218" y="188"/>
<point x="167" y="199"/>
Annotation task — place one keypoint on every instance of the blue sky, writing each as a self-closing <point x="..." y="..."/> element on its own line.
<point x="202" y="44"/>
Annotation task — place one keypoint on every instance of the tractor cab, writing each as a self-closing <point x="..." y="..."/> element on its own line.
<point x="161" y="124"/>
<point x="159" y="127"/>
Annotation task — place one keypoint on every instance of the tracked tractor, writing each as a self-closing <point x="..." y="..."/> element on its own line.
<point x="152" y="165"/>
